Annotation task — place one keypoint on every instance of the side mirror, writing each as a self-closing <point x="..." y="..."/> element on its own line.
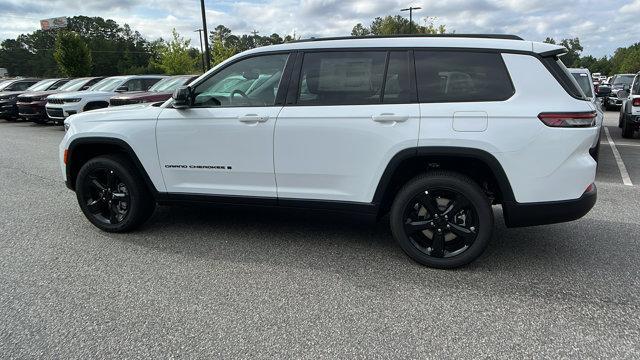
<point x="603" y="91"/>
<point x="182" y="97"/>
<point x="122" y="89"/>
<point x="86" y="87"/>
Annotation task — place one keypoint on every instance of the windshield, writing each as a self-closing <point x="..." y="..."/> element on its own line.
<point x="585" y="84"/>
<point x="168" y="84"/>
<point x="42" y="85"/>
<point x="623" y="80"/>
<point x="73" y="85"/>
<point x="108" y="84"/>
<point x="3" y="84"/>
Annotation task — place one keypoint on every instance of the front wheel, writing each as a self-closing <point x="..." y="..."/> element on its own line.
<point x="442" y="219"/>
<point x="112" y="195"/>
<point x="627" y="129"/>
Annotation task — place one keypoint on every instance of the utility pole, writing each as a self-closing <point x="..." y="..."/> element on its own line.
<point x="207" y="63"/>
<point x="199" y="31"/>
<point x="410" y="10"/>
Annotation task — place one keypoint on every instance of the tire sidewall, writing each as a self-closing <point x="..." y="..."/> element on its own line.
<point x="125" y="175"/>
<point x="446" y="182"/>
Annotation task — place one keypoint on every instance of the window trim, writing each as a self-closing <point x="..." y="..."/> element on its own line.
<point x="502" y="63"/>
<point x="282" y="86"/>
<point x="294" y="83"/>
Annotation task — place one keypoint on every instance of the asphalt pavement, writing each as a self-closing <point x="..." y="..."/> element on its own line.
<point x="257" y="283"/>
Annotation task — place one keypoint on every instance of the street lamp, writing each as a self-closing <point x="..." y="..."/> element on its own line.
<point x="206" y="36"/>
<point x="199" y="31"/>
<point x="410" y="10"/>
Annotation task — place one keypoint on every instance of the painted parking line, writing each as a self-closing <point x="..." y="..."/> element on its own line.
<point x="623" y="169"/>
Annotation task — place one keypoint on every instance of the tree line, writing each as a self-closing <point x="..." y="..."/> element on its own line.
<point x="98" y="47"/>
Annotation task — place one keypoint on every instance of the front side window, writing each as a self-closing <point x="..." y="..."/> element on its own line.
<point x="248" y="82"/>
<point x="462" y="76"/>
<point x="342" y="78"/>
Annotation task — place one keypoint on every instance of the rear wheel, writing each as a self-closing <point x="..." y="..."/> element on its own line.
<point x="112" y="195"/>
<point x="627" y="129"/>
<point x="442" y="219"/>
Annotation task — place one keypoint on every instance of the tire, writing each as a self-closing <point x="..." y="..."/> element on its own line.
<point x="627" y="130"/>
<point x="620" y="120"/>
<point x="40" y="121"/>
<point x="112" y="194"/>
<point x="415" y="227"/>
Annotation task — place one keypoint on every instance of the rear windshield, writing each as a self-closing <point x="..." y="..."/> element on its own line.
<point x="623" y="80"/>
<point x="585" y="83"/>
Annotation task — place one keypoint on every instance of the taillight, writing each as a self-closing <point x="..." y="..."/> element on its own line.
<point x="579" y="119"/>
<point x="66" y="156"/>
<point x="636" y="102"/>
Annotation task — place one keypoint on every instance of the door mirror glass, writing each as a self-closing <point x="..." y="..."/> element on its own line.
<point x="122" y="89"/>
<point x="182" y="97"/>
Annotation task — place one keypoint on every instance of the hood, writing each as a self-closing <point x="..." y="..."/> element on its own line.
<point x="80" y="94"/>
<point x="135" y="112"/>
<point x="38" y="93"/>
<point x="143" y="95"/>
<point x="9" y="93"/>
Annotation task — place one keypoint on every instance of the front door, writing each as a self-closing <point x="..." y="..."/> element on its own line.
<point x="223" y="143"/>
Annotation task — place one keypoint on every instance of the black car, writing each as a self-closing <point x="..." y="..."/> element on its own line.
<point x="9" y="91"/>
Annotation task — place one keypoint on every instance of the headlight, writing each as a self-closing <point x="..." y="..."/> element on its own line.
<point x="10" y="97"/>
<point x="72" y="100"/>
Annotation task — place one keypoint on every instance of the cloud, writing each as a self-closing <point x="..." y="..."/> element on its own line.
<point x="597" y="23"/>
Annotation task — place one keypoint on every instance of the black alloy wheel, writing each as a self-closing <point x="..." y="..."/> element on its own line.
<point x="106" y="196"/>
<point x="442" y="219"/>
<point x="112" y="194"/>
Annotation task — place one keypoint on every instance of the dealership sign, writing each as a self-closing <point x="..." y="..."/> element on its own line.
<point x="53" y="23"/>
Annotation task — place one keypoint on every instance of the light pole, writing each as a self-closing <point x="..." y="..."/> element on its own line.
<point x="199" y="31"/>
<point x="206" y="36"/>
<point x="410" y="10"/>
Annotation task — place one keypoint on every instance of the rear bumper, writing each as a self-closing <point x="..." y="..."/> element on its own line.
<point x="530" y="214"/>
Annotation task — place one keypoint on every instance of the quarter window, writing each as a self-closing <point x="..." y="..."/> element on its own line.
<point x="249" y="82"/>
<point x="461" y="76"/>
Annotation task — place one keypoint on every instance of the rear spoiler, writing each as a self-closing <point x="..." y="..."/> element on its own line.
<point x="548" y="50"/>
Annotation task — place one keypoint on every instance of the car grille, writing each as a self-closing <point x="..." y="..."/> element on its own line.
<point x="120" y="102"/>
<point x="24" y="99"/>
<point x="27" y="110"/>
<point x="56" y="113"/>
<point x="55" y="101"/>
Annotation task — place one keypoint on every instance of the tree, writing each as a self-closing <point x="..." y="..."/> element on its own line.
<point x="72" y="55"/>
<point x="174" y="57"/>
<point x="220" y="53"/>
<point x="397" y="25"/>
<point x="574" y="49"/>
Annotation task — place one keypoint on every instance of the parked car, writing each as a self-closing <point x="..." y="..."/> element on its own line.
<point x="9" y="95"/>
<point x="60" y="106"/>
<point x="584" y="79"/>
<point x="630" y="109"/>
<point x="31" y="105"/>
<point x="160" y="91"/>
<point x="366" y="125"/>
<point x="618" y="82"/>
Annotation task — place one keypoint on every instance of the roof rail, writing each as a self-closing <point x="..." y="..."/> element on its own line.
<point x="473" y="36"/>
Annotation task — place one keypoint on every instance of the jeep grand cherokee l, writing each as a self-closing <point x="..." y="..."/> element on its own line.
<point x="160" y="91"/>
<point x="9" y="91"/>
<point x="431" y="130"/>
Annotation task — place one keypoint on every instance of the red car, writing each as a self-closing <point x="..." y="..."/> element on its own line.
<point x="161" y="91"/>
<point x="31" y="105"/>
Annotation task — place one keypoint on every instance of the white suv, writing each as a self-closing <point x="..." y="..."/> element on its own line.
<point x="62" y="105"/>
<point x="430" y="130"/>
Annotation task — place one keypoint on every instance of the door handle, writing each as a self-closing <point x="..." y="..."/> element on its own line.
<point x="252" y="119"/>
<point x="389" y="118"/>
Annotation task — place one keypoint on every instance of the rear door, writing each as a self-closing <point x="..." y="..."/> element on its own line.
<point x="348" y="113"/>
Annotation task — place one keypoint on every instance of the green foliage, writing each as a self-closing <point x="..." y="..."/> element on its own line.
<point x="624" y="60"/>
<point x="398" y="25"/>
<point x="72" y="55"/>
<point x="174" y="57"/>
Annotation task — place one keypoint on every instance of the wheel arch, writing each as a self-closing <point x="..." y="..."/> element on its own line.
<point x="82" y="150"/>
<point x="478" y="164"/>
<point x="102" y="104"/>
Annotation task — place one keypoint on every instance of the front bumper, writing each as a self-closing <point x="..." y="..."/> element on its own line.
<point x="613" y="101"/>
<point x="530" y="214"/>
<point x="32" y="110"/>
<point x="8" y="109"/>
<point x="61" y="112"/>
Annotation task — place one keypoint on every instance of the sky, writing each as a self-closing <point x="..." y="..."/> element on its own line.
<point x="601" y="25"/>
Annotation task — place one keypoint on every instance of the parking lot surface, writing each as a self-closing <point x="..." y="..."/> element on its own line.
<point x="258" y="283"/>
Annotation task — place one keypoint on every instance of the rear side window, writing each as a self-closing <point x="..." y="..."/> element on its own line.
<point x="462" y="76"/>
<point x="636" y="86"/>
<point x="563" y="76"/>
<point x="342" y="78"/>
